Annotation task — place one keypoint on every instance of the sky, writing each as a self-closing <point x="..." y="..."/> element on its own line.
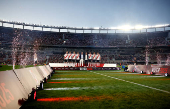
<point x="87" y="13"/>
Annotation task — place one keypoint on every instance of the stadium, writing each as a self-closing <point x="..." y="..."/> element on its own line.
<point x="74" y="85"/>
<point x="68" y="67"/>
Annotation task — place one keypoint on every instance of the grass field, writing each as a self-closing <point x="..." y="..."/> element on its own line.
<point x="101" y="90"/>
<point x="10" y="67"/>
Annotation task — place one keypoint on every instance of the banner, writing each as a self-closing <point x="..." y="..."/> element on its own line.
<point x="106" y="68"/>
<point x="72" y="65"/>
<point x="87" y="68"/>
<point x="44" y="72"/>
<point x="35" y="74"/>
<point x="11" y="91"/>
<point x="27" y="78"/>
<point x="66" y="68"/>
<point x="160" y="69"/>
<point x="140" y="68"/>
<point x="49" y="68"/>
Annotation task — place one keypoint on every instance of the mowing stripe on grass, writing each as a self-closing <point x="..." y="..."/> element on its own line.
<point x="75" y="82"/>
<point x="111" y="71"/>
<point x="154" y="76"/>
<point x="69" y="79"/>
<point x="75" y="75"/>
<point x="122" y="73"/>
<point x="134" y="83"/>
<point x="68" y="88"/>
<point x="81" y="88"/>
<point x="68" y="71"/>
<point x="60" y="82"/>
<point x="71" y="74"/>
<point x="74" y="78"/>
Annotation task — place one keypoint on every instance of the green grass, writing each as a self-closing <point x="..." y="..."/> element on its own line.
<point x="116" y="94"/>
<point x="5" y="67"/>
<point x="10" y="67"/>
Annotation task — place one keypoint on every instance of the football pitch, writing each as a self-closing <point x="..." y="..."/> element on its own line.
<point x="102" y="90"/>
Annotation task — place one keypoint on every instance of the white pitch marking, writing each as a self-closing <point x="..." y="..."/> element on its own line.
<point x="153" y="76"/>
<point x="67" y="88"/>
<point x="142" y="85"/>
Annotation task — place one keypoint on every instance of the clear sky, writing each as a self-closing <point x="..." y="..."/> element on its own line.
<point x="87" y="13"/>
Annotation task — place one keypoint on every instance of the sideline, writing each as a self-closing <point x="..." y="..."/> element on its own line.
<point x="132" y="82"/>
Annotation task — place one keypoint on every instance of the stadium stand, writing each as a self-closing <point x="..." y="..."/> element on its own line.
<point x="118" y="47"/>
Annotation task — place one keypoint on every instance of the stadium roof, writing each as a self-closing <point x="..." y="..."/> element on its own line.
<point x="125" y="27"/>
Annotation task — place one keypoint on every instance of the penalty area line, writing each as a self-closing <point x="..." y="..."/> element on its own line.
<point x="134" y="83"/>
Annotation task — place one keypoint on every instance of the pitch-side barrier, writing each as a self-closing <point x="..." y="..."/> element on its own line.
<point x="17" y="85"/>
<point x="140" y="68"/>
<point x="11" y="90"/>
<point x="68" y="66"/>
<point x="27" y="78"/>
<point x="49" y="68"/>
<point x="160" y="70"/>
<point x="150" y="69"/>
<point x="43" y="71"/>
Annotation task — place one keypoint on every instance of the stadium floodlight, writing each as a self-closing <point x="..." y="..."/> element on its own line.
<point x="85" y="27"/>
<point x="167" y="24"/>
<point x="158" y="25"/>
<point x="125" y="27"/>
<point x="161" y="25"/>
<point x="113" y="28"/>
<point x="139" y="27"/>
<point x="147" y="26"/>
<point x="96" y="28"/>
